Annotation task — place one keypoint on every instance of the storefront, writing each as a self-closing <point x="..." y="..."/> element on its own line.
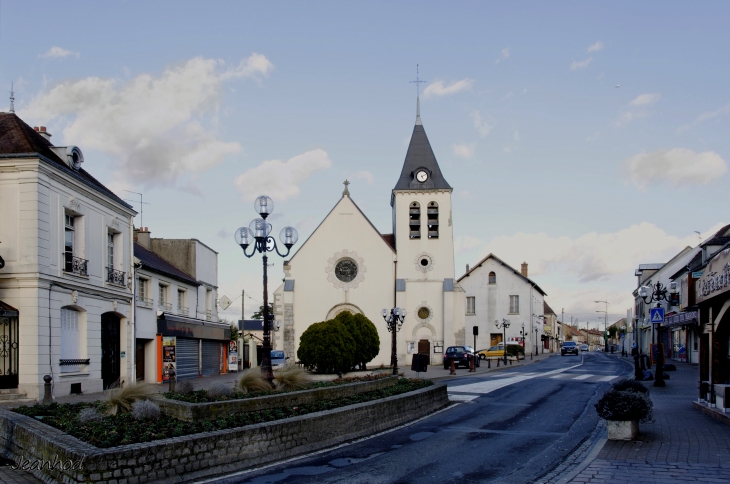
<point x="681" y="328"/>
<point x="191" y="348"/>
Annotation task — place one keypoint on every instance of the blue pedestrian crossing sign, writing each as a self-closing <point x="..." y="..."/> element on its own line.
<point x="656" y="315"/>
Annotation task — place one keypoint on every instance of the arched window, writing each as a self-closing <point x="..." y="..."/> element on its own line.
<point x="492" y="278"/>
<point x="433" y="220"/>
<point x="414" y="222"/>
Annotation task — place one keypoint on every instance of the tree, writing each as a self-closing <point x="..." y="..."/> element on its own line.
<point x="365" y="334"/>
<point x="327" y="347"/>
<point x="260" y="313"/>
<point x="612" y="330"/>
<point x="234" y="332"/>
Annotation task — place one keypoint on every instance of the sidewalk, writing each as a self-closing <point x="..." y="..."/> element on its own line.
<point x="438" y="372"/>
<point x="682" y="445"/>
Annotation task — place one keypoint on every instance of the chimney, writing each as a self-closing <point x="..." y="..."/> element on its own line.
<point x="142" y="237"/>
<point x="523" y="270"/>
<point x="42" y="131"/>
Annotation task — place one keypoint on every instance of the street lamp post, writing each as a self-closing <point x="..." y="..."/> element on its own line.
<point x="659" y="293"/>
<point x="623" y="340"/>
<point x="539" y="317"/>
<point x="504" y="326"/>
<point x="605" y="325"/>
<point x="258" y="235"/>
<point x="394" y="319"/>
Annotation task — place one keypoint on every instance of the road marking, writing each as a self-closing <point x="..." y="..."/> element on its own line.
<point x="462" y="398"/>
<point x="582" y="377"/>
<point x="488" y="386"/>
<point x="608" y="378"/>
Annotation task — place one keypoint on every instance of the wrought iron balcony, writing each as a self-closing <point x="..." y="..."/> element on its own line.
<point x="115" y="277"/>
<point x="182" y="310"/>
<point x="165" y="305"/>
<point x="74" y="362"/>
<point x="144" y="301"/>
<point x="74" y="265"/>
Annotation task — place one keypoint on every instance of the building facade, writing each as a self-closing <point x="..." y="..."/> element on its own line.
<point x="66" y="288"/>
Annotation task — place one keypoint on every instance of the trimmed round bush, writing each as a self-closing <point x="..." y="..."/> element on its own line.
<point x="629" y="385"/>
<point x="625" y="405"/>
<point x="145" y="410"/>
<point x="365" y="334"/>
<point x="327" y="347"/>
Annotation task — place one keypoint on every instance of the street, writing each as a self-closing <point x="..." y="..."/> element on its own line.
<point x="512" y="425"/>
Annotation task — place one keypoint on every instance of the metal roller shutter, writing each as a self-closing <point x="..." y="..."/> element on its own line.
<point x="187" y="358"/>
<point x="211" y="358"/>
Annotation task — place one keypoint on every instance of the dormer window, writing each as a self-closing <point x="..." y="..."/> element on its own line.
<point x="414" y="220"/>
<point x="433" y="220"/>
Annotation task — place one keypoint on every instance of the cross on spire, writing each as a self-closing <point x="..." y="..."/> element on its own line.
<point x="346" y="191"/>
<point x="418" y="95"/>
<point x="12" y="99"/>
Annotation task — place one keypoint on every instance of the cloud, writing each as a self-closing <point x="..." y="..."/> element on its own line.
<point x="581" y="64"/>
<point x="504" y="54"/>
<point x="463" y="150"/>
<point x="596" y="47"/>
<point x="723" y="111"/>
<point x="364" y="175"/>
<point x="157" y="128"/>
<point x="674" y="166"/>
<point x="438" y="88"/>
<point x="481" y="125"/>
<point x="466" y="195"/>
<point x="281" y="179"/>
<point x="646" y="99"/>
<point x="56" y="52"/>
<point x="466" y="243"/>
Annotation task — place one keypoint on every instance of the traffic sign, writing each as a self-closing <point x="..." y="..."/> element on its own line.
<point x="656" y="315"/>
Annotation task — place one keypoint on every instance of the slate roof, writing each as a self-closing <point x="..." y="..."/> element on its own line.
<point x="721" y="237"/>
<point x="17" y="138"/>
<point x="420" y="155"/>
<point x="389" y="239"/>
<point x="492" y="256"/>
<point x="546" y="309"/>
<point x="155" y="263"/>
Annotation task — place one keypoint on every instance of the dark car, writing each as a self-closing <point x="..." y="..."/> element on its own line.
<point x="460" y="355"/>
<point x="569" y="347"/>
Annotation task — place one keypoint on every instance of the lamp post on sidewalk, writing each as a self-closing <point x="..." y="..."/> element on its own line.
<point x="394" y="319"/>
<point x="659" y="292"/>
<point x="504" y="326"/>
<point x="605" y="324"/>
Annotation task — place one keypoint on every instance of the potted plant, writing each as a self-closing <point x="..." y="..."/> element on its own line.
<point x="625" y="405"/>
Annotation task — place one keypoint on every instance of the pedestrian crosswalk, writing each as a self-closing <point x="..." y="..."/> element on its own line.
<point x="586" y="377"/>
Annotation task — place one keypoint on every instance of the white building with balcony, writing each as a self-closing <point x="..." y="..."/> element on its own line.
<point x="66" y="290"/>
<point x="177" y="321"/>
<point x="494" y="292"/>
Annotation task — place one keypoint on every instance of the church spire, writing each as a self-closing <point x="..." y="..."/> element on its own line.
<point x="12" y="99"/>
<point x="418" y="96"/>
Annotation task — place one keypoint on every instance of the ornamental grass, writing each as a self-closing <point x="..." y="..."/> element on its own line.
<point x="252" y="382"/>
<point x="121" y="399"/>
<point x="291" y="378"/>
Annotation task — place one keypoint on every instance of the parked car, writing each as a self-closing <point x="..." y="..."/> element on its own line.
<point x="498" y="351"/>
<point x="584" y="347"/>
<point x="569" y="347"/>
<point x="460" y="356"/>
<point x="278" y="359"/>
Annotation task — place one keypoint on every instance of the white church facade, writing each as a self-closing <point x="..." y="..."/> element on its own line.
<point x="348" y="265"/>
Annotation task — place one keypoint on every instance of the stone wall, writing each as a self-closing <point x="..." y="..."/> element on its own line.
<point x="210" y="453"/>
<point x="207" y="411"/>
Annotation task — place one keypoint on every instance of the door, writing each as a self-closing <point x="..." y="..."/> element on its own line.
<point x="495" y="339"/>
<point x="139" y="359"/>
<point x="211" y="358"/>
<point x="9" y="352"/>
<point x="424" y="348"/>
<point x="110" y="369"/>
<point x="186" y="357"/>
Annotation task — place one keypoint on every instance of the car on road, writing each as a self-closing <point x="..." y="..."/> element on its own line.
<point x="460" y="355"/>
<point x="278" y="359"/>
<point x="584" y="347"/>
<point x="497" y="351"/>
<point x="569" y="347"/>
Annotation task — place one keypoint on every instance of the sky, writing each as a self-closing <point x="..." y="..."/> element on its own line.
<point x="583" y="138"/>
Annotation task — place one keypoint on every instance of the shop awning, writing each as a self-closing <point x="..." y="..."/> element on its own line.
<point x="681" y="319"/>
<point x="171" y="325"/>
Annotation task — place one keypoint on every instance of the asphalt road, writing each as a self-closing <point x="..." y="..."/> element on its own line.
<point x="509" y="426"/>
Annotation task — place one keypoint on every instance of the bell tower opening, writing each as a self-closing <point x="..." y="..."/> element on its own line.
<point x="414" y="222"/>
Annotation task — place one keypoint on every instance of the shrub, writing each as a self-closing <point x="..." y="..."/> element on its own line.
<point x="145" y="410"/>
<point x="184" y="387"/>
<point x="219" y="389"/>
<point x="629" y="385"/>
<point x="88" y="415"/>
<point x="327" y="347"/>
<point x="252" y="381"/>
<point x="120" y="400"/>
<point x="291" y="378"/>
<point x="625" y="405"/>
<point x="365" y="335"/>
<point x="515" y="350"/>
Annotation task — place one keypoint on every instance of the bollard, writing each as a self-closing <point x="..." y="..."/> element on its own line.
<point x="471" y="365"/>
<point x="638" y="374"/>
<point x="453" y="368"/>
<point x="489" y="363"/>
<point x="498" y="362"/>
<point x="47" y="397"/>
<point x="510" y="362"/>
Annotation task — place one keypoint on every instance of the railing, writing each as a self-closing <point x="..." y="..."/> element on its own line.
<point x="165" y="305"/>
<point x="208" y="314"/>
<point x="115" y="277"/>
<point x="74" y="265"/>
<point x="74" y="362"/>
<point x="144" y="301"/>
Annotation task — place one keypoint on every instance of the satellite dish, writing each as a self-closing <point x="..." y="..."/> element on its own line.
<point x="224" y="302"/>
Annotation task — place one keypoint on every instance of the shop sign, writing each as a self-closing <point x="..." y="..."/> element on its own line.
<point x="687" y="317"/>
<point x="715" y="278"/>
<point x="169" y="365"/>
<point x="547" y="329"/>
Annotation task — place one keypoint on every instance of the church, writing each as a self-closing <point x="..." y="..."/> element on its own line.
<point x="348" y="265"/>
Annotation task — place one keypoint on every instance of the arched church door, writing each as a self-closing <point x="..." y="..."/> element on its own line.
<point x="110" y="369"/>
<point x="424" y="348"/>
